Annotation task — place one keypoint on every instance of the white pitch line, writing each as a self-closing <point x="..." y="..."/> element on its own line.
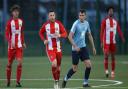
<point x="73" y="88"/>
<point x="99" y="86"/>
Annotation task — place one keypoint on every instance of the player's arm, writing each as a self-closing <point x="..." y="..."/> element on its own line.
<point x="63" y="32"/>
<point x="7" y="31"/>
<point x="41" y="34"/>
<point x="22" y="36"/>
<point x="91" y="40"/>
<point x="102" y="32"/>
<point x="120" y="32"/>
<point x="70" y="37"/>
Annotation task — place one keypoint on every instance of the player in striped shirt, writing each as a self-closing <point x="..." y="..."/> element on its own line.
<point x="54" y="30"/>
<point x="15" y="37"/>
<point x="109" y="29"/>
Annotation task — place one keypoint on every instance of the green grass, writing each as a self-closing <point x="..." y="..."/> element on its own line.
<point x="38" y="68"/>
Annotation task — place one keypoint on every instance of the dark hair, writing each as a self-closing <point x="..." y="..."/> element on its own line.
<point x="15" y="7"/>
<point x="51" y="10"/>
<point x="82" y="11"/>
<point x="110" y="7"/>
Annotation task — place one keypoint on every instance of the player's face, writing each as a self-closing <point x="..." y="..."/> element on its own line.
<point x="110" y="12"/>
<point x="15" y="13"/>
<point x="82" y="16"/>
<point x="51" y="16"/>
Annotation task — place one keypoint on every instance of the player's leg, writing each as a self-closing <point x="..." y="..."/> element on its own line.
<point x="19" y="58"/>
<point x="84" y="56"/>
<point x="58" y="57"/>
<point x="55" y="74"/>
<point x="113" y="50"/>
<point x="11" y="57"/>
<point x="106" y="54"/>
<point x="87" y="63"/>
<point x="75" y="61"/>
<point x="52" y="58"/>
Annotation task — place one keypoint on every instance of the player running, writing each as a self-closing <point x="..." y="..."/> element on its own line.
<point x="79" y="50"/>
<point x="54" y="30"/>
<point x="15" y="37"/>
<point x="109" y="29"/>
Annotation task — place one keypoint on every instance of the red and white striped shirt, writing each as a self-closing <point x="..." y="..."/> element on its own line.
<point x="109" y="28"/>
<point x="14" y="33"/>
<point x="50" y="28"/>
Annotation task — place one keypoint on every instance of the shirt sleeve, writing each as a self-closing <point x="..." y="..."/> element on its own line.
<point x="63" y="32"/>
<point x="41" y="32"/>
<point x="73" y="29"/>
<point x="103" y="25"/>
<point x="89" y="30"/>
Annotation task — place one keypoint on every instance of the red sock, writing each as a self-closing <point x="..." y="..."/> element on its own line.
<point x="113" y="64"/>
<point x="54" y="73"/>
<point x="106" y="63"/>
<point x="58" y="73"/>
<point x="8" y="73"/>
<point x="19" y="70"/>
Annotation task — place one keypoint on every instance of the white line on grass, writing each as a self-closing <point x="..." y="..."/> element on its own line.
<point x="98" y="86"/>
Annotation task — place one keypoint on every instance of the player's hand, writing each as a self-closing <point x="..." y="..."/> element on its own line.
<point x="56" y="35"/>
<point x="94" y="51"/>
<point x="45" y="42"/>
<point x="76" y="48"/>
<point x="24" y="45"/>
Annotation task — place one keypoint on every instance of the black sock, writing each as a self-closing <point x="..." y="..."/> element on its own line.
<point x="69" y="75"/>
<point x="87" y="73"/>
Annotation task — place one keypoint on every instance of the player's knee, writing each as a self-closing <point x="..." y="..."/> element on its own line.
<point x="54" y="63"/>
<point x="20" y="63"/>
<point x="75" y="67"/>
<point x="106" y="56"/>
<point x="88" y="63"/>
<point x="9" y="66"/>
<point x="58" y="68"/>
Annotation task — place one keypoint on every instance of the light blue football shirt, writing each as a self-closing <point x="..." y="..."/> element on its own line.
<point x="80" y="29"/>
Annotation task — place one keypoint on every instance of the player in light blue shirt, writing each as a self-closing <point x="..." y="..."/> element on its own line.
<point x="79" y="29"/>
<point x="76" y="37"/>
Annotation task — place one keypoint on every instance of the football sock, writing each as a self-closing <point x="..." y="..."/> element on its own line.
<point x="19" y="70"/>
<point x="87" y="73"/>
<point x="58" y="73"/>
<point x="69" y="75"/>
<point x="106" y="64"/>
<point x="54" y="72"/>
<point x="8" y="73"/>
<point x="113" y="64"/>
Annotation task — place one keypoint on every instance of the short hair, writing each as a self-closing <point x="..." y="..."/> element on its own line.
<point x="110" y="7"/>
<point x="51" y="10"/>
<point x="15" y="7"/>
<point x="82" y="11"/>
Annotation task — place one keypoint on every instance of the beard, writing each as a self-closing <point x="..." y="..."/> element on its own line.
<point x="111" y="15"/>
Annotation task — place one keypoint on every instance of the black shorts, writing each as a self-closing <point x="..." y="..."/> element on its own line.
<point x="83" y="54"/>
